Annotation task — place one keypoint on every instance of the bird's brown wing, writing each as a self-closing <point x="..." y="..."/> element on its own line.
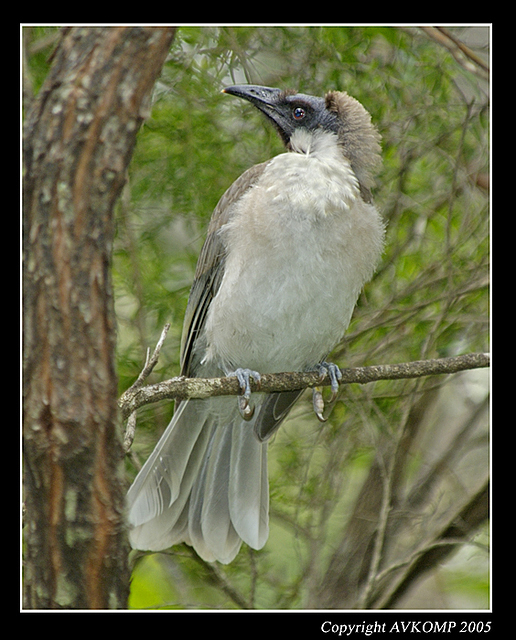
<point x="210" y="268"/>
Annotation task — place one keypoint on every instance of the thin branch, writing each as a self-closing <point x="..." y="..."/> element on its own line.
<point x="424" y="486"/>
<point x="181" y="388"/>
<point x="150" y="363"/>
<point x="130" y="430"/>
<point x="381" y="529"/>
<point x="214" y="576"/>
<point x="467" y="58"/>
<point x="426" y="548"/>
<point x="461" y="525"/>
<point x="218" y="579"/>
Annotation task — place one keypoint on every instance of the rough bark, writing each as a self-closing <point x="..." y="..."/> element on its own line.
<point x="79" y="137"/>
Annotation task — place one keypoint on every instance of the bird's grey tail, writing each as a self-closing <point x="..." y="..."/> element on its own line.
<point x="205" y="484"/>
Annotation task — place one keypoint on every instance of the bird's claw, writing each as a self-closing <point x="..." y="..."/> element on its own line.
<point x="246" y="409"/>
<point x="318" y="404"/>
<point x="244" y="379"/>
<point x="335" y="375"/>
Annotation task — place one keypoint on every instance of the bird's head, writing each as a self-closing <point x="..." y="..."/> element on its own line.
<point x="337" y="113"/>
<point x="288" y="110"/>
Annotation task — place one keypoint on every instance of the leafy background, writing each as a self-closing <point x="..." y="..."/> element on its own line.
<point x="429" y="298"/>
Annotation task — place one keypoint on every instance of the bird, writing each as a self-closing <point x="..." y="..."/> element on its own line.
<point x="289" y="248"/>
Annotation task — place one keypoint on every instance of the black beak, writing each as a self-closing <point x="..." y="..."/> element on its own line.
<point x="269" y="101"/>
<point x="262" y="97"/>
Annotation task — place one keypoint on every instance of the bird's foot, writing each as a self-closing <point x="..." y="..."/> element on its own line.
<point x="334" y="373"/>
<point x="244" y="378"/>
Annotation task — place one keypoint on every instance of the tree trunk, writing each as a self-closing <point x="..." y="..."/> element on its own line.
<point x="79" y="138"/>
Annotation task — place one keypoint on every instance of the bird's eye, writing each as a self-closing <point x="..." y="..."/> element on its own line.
<point x="298" y="113"/>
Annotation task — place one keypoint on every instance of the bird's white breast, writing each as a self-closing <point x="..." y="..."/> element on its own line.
<point x="300" y="246"/>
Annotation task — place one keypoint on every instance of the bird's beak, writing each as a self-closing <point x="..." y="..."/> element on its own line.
<point x="268" y="101"/>
<point x="264" y="98"/>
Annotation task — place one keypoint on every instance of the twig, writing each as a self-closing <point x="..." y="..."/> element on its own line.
<point x="150" y="363"/>
<point x="181" y="388"/>
<point x="129" y="432"/>
<point x="467" y="58"/>
<point x="443" y="542"/>
<point x="219" y="580"/>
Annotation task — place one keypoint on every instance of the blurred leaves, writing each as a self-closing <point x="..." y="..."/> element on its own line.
<point x="331" y="485"/>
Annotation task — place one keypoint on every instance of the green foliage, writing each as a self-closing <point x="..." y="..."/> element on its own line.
<point x="428" y="298"/>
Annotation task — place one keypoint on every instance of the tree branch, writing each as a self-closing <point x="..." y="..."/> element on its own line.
<point x="456" y="531"/>
<point x="467" y="58"/>
<point x="181" y="388"/>
<point x="150" y="362"/>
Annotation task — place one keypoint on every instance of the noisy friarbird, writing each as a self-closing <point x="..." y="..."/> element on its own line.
<point x="289" y="248"/>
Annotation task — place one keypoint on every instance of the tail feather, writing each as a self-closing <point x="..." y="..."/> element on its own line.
<point x="205" y="484"/>
<point x="159" y="482"/>
<point x="249" y="487"/>
<point x="210" y="528"/>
